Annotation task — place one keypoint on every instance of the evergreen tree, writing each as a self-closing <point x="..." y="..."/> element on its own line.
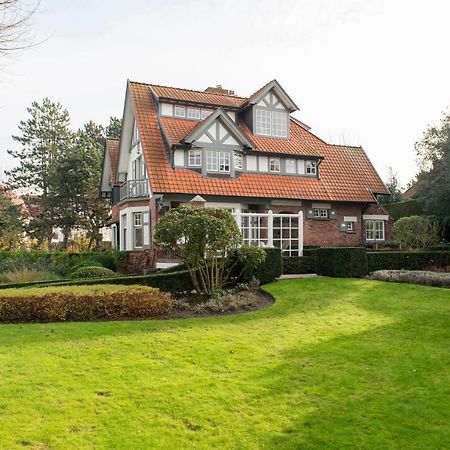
<point x="11" y="222"/>
<point x="45" y="138"/>
<point x="394" y="188"/>
<point x="114" y="128"/>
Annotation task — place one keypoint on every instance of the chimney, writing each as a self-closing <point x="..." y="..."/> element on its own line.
<point x="218" y="89"/>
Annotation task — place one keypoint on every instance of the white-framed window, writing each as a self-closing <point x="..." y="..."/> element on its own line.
<point x="205" y="113"/>
<point x="349" y="226"/>
<point x="238" y="161"/>
<point x="291" y="166"/>
<point x="218" y="161"/>
<point x="195" y="158"/>
<point x="212" y="163"/>
<point x="375" y="230"/>
<point x="321" y="213"/>
<point x="311" y="167"/>
<point x="193" y="113"/>
<point x="180" y="111"/>
<point x="279" y="124"/>
<point x="263" y="119"/>
<point x="138" y="230"/>
<point x="274" y="164"/>
<point x="224" y="161"/>
<point x="124" y="232"/>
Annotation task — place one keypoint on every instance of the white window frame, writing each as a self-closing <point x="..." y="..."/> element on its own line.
<point x="349" y="227"/>
<point x="376" y="230"/>
<point x="321" y="213"/>
<point x="224" y="162"/>
<point x="279" y="124"/>
<point x="263" y="122"/>
<point x="274" y="165"/>
<point x="212" y="161"/>
<point x="193" y="113"/>
<point x="238" y="161"/>
<point x="204" y="113"/>
<point x="311" y="167"/>
<point x="293" y="168"/>
<point x="195" y="158"/>
<point x="138" y="224"/>
<point x="179" y="111"/>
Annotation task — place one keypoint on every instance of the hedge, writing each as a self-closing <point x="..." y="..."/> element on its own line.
<point x="299" y="264"/>
<point x="269" y="270"/>
<point x="342" y="261"/>
<point x="69" y="304"/>
<point x="405" y="209"/>
<point x="407" y="260"/>
<point x="92" y="272"/>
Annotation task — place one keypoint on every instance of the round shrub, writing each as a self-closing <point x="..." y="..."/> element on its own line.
<point x="93" y="272"/>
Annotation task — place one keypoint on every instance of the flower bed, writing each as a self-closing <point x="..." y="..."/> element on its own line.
<point x="439" y="279"/>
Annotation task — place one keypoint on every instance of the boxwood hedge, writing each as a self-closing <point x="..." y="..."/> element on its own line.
<point x="342" y="261"/>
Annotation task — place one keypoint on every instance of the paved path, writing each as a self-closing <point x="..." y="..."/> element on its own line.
<point x="295" y="276"/>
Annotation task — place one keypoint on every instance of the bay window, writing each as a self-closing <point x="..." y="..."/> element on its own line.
<point x="138" y="230"/>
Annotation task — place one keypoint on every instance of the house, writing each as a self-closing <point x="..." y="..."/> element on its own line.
<point x="247" y="154"/>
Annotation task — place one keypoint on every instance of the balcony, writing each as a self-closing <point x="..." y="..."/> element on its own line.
<point x="134" y="189"/>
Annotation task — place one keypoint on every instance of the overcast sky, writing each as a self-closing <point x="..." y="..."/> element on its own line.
<point x="363" y="72"/>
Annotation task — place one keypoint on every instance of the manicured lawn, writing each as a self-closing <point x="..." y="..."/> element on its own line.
<point x="333" y="363"/>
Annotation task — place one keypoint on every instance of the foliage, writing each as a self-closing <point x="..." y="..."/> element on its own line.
<point x="416" y="232"/>
<point x="269" y="269"/>
<point x="433" y="182"/>
<point x="24" y="275"/>
<point x="299" y="264"/>
<point x="394" y="188"/>
<point x="96" y="303"/>
<point x="343" y="363"/>
<point x="11" y="222"/>
<point x="45" y="141"/>
<point x="405" y="209"/>
<point x="92" y="272"/>
<point x="413" y="276"/>
<point x="407" y="260"/>
<point x="114" y="128"/>
<point x="202" y="238"/>
<point x="342" y="261"/>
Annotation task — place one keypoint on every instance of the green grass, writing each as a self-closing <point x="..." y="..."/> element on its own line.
<point x="334" y="363"/>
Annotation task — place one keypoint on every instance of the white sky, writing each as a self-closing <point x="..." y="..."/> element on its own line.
<point x="363" y="72"/>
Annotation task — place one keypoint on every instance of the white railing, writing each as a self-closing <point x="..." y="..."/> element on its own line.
<point x="283" y="231"/>
<point x="133" y="189"/>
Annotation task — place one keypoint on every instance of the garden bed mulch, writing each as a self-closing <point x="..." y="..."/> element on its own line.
<point x="243" y="301"/>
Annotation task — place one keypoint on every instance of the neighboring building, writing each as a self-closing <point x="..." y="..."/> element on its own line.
<point x="244" y="154"/>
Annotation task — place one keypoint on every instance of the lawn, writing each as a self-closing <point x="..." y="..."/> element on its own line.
<point x="333" y="363"/>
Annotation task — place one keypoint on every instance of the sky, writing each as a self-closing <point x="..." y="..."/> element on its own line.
<point x="374" y="73"/>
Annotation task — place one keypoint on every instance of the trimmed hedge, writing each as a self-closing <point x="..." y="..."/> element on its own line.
<point x="342" y="261"/>
<point x="270" y="269"/>
<point x="102" y="303"/>
<point x="299" y="264"/>
<point x="92" y="272"/>
<point x="407" y="260"/>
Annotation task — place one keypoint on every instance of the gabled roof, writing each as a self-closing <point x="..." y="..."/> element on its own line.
<point x="220" y="114"/>
<point x="279" y="91"/>
<point x="112" y="147"/>
<point x="200" y="97"/>
<point x="346" y="173"/>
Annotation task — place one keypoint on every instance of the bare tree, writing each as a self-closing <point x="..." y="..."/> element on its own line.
<point x="15" y="25"/>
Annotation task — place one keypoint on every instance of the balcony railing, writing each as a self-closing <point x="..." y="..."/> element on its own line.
<point x="134" y="189"/>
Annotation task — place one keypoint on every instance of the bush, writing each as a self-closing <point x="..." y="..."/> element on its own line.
<point x="26" y="276"/>
<point x="407" y="260"/>
<point x="416" y="232"/>
<point x="269" y="270"/>
<point x="342" y="261"/>
<point x="405" y="209"/>
<point x="93" y="272"/>
<point x="57" y="304"/>
<point x="299" y="264"/>
<point x="413" y="276"/>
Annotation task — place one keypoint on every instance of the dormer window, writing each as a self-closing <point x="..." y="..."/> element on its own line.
<point x="205" y="113"/>
<point x="238" y="161"/>
<point x="279" y="124"/>
<point x="195" y="158"/>
<point x="180" y="111"/>
<point x="274" y="165"/>
<point x="218" y="161"/>
<point x="263" y="122"/>
<point x="193" y="113"/>
<point x="311" y="167"/>
<point x="271" y="123"/>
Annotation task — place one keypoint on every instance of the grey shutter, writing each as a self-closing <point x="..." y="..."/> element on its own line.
<point x="310" y="213"/>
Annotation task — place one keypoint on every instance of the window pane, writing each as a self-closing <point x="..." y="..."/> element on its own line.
<point x="212" y="161"/>
<point x="238" y="161"/>
<point x="138" y="237"/>
<point x="279" y="124"/>
<point x="291" y="166"/>
<point x="224" y="161"/>
<point x="195" y="158"/>
<point x="311" y="167"/>
<point x="180" y="111"/>
<point x="274" y="165"/>
<point x="193" y="113"/>
<point x="263" y="122"/>
<point x="205" y="113"/>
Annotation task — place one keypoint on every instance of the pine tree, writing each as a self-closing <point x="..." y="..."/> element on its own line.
<point x="394" y="188"/>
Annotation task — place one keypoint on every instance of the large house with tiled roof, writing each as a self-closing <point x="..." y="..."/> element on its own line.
<point x="244" y="154"/>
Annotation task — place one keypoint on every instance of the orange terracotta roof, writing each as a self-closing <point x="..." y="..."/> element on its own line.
<point x="346" y="173"/>
<point x="187" y="95"/>
<point x="112" y="147"/>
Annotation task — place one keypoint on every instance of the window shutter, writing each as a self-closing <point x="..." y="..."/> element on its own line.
<point x="343" y="226"/>
<point x="146" y="227"/>
<point x="309" y="213"/>
<point x="332" y="214"/>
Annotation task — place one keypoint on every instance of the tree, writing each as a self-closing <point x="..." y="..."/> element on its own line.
<point x="416" y="232"/>
<point x="203" y="238"/>
<point x="15" y="21"/>
<point x="45" y="140"/>
<point x="394" y="188"/>
<point x="433" y="182"/>
<point x="11" y="222"/>
<point x="114" y="128"/>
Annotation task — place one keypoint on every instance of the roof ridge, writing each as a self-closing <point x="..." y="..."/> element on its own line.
<point x="348" y="146"/>
<point x="196" y="91"/>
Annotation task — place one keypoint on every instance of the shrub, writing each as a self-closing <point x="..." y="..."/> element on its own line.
<point x="299" y="264"/>
<point x="25" y="275"/>
<point x="416" y="232"/>
<point x="413" y="276"/>
<point x="342" y="261"/>
<point x="93" y="272"/>
<point x="407" y="260"/>
<point x="405" y="209"/>
<point x="57" y="304"/>
<point x="268" y="270"/>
